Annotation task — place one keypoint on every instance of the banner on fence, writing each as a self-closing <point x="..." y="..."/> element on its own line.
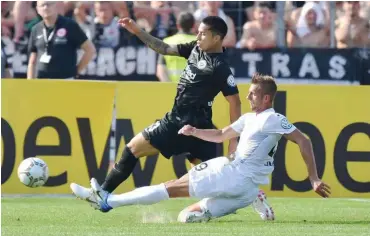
<point x="131" y="61"/>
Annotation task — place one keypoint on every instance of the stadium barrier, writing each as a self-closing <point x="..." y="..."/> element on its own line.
<point x="131" y="61"/>
<point x="67" y="123"/>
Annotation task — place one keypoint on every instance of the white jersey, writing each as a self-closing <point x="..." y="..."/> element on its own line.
<point x="259" y="137"/>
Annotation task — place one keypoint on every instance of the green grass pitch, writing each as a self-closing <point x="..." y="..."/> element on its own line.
<point x="294" y="216"/>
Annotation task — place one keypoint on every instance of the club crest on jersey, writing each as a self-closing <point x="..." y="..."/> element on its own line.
<point x="201" y="64"/>
<point x="285" y="124"/>
<point x="61" y="32"/>
<point x="231" y="81"/>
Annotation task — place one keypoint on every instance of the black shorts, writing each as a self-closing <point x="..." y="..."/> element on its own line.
<point x="163" y="135"/>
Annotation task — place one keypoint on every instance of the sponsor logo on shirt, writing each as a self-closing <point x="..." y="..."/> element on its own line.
<point x="188" y="74"/>
<point x="201" y="64"/>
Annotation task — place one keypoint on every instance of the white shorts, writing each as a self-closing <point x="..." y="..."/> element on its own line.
<point x="222" y="189"/>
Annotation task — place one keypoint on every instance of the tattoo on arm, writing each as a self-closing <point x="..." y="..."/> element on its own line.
<point x="157" y="44"/>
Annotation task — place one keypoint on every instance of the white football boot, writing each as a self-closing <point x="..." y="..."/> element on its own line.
<point x="86" y="194"/>
<point x="262" y="207"/>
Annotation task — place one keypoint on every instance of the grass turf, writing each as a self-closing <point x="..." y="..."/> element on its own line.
<point x="294" y="216"/>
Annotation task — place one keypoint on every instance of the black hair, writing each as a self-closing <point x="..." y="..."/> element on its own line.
<point x="216" y="25"/>
<point x="186" y="21"/>
<point x="264" y="4"/>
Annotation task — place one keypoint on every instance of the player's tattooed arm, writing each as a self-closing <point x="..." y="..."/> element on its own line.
<point x="157" y="44"/>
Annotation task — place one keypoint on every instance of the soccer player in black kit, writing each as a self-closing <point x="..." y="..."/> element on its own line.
<point x="207" y="73"/>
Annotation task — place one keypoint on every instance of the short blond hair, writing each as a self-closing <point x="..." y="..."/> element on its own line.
<point x="267" y="84"/>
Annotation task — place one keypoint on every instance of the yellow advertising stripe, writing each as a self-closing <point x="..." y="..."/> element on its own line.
<point x="336" y="118"/>
<point x="63" y="122"/>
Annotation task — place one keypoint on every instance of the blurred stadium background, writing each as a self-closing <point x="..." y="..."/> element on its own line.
<point x="296" y="41"/>
<point x="79" y="127"/>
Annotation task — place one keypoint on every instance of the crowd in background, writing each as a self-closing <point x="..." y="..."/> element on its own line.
<point x="252" y="25"/>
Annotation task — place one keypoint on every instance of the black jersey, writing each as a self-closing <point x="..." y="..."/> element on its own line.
<point x="61" y="43"/>
<point x="205" y="75"/>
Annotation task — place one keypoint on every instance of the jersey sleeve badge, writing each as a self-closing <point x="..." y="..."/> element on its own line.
<point x="285" y="124"/>
<point x="231" y="81"/>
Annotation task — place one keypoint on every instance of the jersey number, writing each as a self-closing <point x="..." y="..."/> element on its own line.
<point x="153" y="126"/>
<point x="201" y="166"/>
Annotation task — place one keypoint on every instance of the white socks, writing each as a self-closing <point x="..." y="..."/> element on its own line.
<point x="140" y="196"/>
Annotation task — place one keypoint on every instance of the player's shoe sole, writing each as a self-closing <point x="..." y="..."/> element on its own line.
<point x="262" y="207"/>
<point x="85" y="194"/>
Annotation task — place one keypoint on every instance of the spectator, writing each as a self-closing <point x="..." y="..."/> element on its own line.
<point x="121" y="9"/>
<point x="169" y="68"/>
<point x="365" y="10"/>
<point x="156" y="17"/>
<point x="312" y="27"/>
<point x="4" y="63"/>
<point x="20" y="13"/>
<point x="53" y="45"/>
<point x="25" y="17"/>
<point x="208" y="8"/>
<point x="83" y="19"/>
<point x="236" y="11"/>
<point x="352" y="30"/>
<point x="7" y="22"/>
<point x="67" y="8"/>
<point x="107" y="30"/>
<point x="260" y="33"/>
<point x="251" y="9"/>
<point x="164" y="24"/>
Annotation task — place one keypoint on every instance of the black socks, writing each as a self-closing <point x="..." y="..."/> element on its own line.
<point x="121" y="171"/>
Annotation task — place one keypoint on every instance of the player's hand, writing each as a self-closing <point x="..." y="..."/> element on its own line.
<point x="321" y="188"/>
<point x="187" y="130"/>
<point x="130" y="25"/>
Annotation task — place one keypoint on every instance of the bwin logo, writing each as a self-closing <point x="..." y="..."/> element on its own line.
<point x="188" y="74"/>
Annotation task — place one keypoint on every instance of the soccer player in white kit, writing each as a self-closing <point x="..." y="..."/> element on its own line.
<point x="227" y="185"/>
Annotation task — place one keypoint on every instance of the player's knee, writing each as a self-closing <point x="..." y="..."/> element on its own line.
<point x="140" y="147"/>
<point x="134" y="145"/>
<point x="134" y="148"/>
<point x="177" y="188"/>
<point x="171" y="188"/>
<point x="195" y="207"/>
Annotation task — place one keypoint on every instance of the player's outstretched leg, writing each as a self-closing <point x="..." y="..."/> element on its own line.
<point x="135" y="149"/>
<point x="262" y="207"/>
<point x="140" y="196"/>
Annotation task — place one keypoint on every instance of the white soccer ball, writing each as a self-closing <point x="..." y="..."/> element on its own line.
<point x="33" y="172"/>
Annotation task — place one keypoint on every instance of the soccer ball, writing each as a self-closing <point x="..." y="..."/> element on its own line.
<point x="33" y="172"/>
